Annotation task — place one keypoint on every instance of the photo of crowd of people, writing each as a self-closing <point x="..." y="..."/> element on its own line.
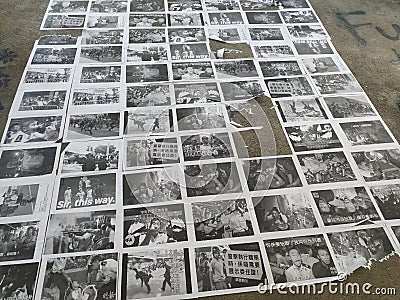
<point x="81" y="277"/>
<point x="344" y="205"/>
<point x="241" y="90"/>
<point x="336" y="84"/>
<point x="18" y="200"/>
<point x="236" y="68"/>
<point x="271" y="173"/>
<point x="27" y="162"/>
<point x="206" y="146"/>
<point x="141" y="36"/>
<point x="158" y="185"/>
<point x="266" y="34"/>
<point x="58" y="40"/>
<point x="18" y="240"/>
<point x="300" y="259"/>
<point x="349" y="106"/>
<point x="188" y="5"/>
<point x="105" y="21"/>
<point x="284" y="212"/>
<point x="313" y="47"/>
<point x="154" y="225"/>
<point x="150" y="152"/>
<point x="225" y="18"/>
<point x="354" y="249"/>
<point x="326" y="167"/>
<point x="100" y="74"/>
<point x="310" y="32"/>
<point x="229" y="266"/>
<point x="148" y="95"/>
<point x="192" y="71"/>
<point x="106" y="37"/>
<point x="80" y="232"/>
<point x="54" y="56"/>
<point x="93" y="126"/>
<point x="271" y="4"/>
<point x="148" y="121"/>
<point x="186" y="19"/>
<point x="147" y="6"/>
<point x="234" y="34"/>
<point x="108" y="6"/>
<point x="189" y="51"/>
<point x="194" y="93"/>
<point x="101" y="54"/>
<point x="278" y="50"/>
<point x="323" y="64"/>
<point x="280" y="68"/>
<point x="263" y="17"/>
<point x="388" y="198"/>
<point x="147" y="53"/>
<point x="60" y="21"/>
<point x="299" y="16"/>
<point x="206" y="117"/>
<point x="146" y="73"/>
<point x="301" y="110"/>
<point x="33" y="130"/>
<point x="147" y="20"/>
<point x="217" y="5"/>
<point x="289" y="87"/>
<point x="95" y="96"/>
<point x="42" y="100"/>
<point x="212" y="179"/>
<point x="366" y="133"/>
<point x="57" y="6"/>
<point x="221" y="219"/>
<point x="18" y="282"/>
<point x="47" y="75"/>
<point x="156" y="273"/>
<point x="378" y="165"/>
<point x="186" y="35"/>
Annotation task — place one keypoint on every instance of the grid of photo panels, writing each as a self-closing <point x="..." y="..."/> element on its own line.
<point x="125" y="171"/>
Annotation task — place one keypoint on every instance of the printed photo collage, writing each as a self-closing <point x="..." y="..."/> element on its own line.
<point x="102" y="156"/>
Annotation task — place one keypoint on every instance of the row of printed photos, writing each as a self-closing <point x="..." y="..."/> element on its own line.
<point x="210" y="269"/>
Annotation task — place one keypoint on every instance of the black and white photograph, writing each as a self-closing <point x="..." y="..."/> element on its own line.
<point x="271" y="173"/>
<point x="57" y="40"/>
<point x="48" y="75"/>
<point x="234" y="34"/>
<point x="144" y="121"/>
<point x="105" y="21"/>
<point x="186" y="35"/>
<point x="96" y="96"/>
<point x="244" y="114"/>
<point x="33" y="130"/>
<point x="86" y="191"/>
<point x="328" y="167"/>
<point x="18" y="281"/>
<point x="278" y="50"/>
<point x="289" y="87"/>
<point x="101" y="54"/>
<point x="301" y="110"/>
<point x="284" y="212"/>
<point x="355" y="106"/>
<point x="54" y="56"/>
<point x="146" y="73"/>
<point x="91" y="156"/>
<point x="155" y="225"/>
<point x="313" y="47"/>
<point x="100" y="74"/>
<point x="18" y="240"/>
<point x="188" y="5"/>
<point x="64" y="22"/>
<point x="195" y="118"/>
<point x="109" y="6"/>
<point x="192" y="71"/>
<point x="212" y="179"/>
<point x="185" y="19"/>
<point x="313" y="137"/>
<point x="366" y="133"/>
<point x="189" y="51"/>
<point x="221" y="219"/>
<point x="206" y="146"/>
<point x="217" y="5"/>
<point x="156" y="185"/>
<point x="148" y="95"/>
<point x="388" y="198"/>
<point x="19" y="199"/>
<point x="146" y="52"/>
<point x="266" y="34"/>
<point x="193" y="93"/>
<point x="147" y="20"/>
<point x="378" y="165"/>
<point x="156" y="273"/>
<point x="313" y="32"/>
<point x="80" y="232"/>
<point x="154" y="35"/>
<point x="26" y="162"/>
<point x="151" y="152"/>
<point x="42" y="100"/>
<point x="80" y="277"/>
<point x="354" y="249"/>
<point x="106" y="37"/>
<point x="241" y="90"/>
<point x="229" y="266"/>
<point x="280" y="68"/>
<point x="263" y="17"/>
<point x="299" y="16"/>
<point x="225" y="18"/>
<point x="300" y="259"/>
<point x="330" y="64"/>
<point x="74" y="7"/>
<point x="345" y="205"/>
<point x="87" y="126"/>
<point x="147" y="6"/>
<point x="270" y="4"/>
<point x="235" y="68"/>
<point x="336" y="84"/>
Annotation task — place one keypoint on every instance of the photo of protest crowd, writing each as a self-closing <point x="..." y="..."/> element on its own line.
<point x="148" y="95"/>
<point x="42" y="100"/>
<point x="100" y="74"/>
<point x="94" y="96"/>
<point x="47" y="75"/>
<point x="54" y="56"/>
<point x="93" y="125"/>
<point x="100" y="54"/>
<point x="139" y="36"/>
